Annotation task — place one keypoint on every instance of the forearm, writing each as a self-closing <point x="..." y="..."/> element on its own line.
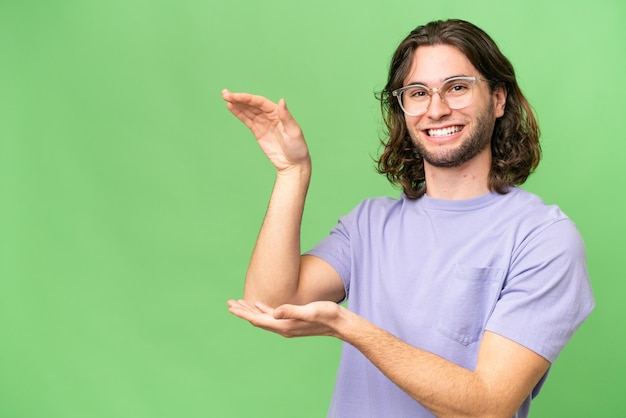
<point x="272" y="276"/>
<point x="505" y="373"/>
<point x="441" y="386"/>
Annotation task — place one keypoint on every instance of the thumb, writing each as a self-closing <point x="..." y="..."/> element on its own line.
<point x="289" y="123"/>
<point x="285" y="312"/>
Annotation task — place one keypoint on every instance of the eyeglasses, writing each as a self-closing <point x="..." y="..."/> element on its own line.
<point x="455" y="92"/>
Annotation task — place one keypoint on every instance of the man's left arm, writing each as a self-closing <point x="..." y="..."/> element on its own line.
<point x="505" y="374"/>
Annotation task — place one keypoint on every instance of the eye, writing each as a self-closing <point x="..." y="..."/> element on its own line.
<point x="457" y="87"/>
<point x="416" y="93"/>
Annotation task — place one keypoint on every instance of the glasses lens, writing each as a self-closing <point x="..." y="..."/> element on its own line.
<point x="457" y="93"/>
<point x="415" y="100"/>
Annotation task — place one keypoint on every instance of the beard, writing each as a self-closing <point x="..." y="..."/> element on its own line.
<point x="477" y="141"/>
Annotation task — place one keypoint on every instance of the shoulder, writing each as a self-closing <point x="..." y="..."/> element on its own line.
<point x="377" y="206"/>
<point x="530" y="209"/>
<point x="517" y="196"/>
<point x="372" y="214"/>
<point x="542" y="229"/>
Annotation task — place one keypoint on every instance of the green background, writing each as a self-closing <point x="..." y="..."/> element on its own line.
<point x="131" y="198"/>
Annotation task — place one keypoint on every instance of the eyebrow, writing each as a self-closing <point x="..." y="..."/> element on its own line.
<point x="420" y="83"/>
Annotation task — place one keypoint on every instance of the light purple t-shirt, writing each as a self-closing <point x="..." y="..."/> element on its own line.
<point x="437" y="273"/>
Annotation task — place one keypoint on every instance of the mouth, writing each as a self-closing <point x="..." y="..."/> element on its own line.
<point x="444" y="132"/>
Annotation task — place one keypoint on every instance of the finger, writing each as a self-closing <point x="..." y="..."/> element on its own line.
<point x="239" y="102"/>
<point x="264" y="308"/>
<point x="241" y="307"/>
<point x="230" y="96"/>
<point x="263" y="321"/>
<point x="249" y="306"/>
<point x="291" y="127"/>
<point x="246" y="313"/>
<point x="239" y="311"/>
<point x="237" y="303"/>
<point x="244" y="113"/>
<point x="288" y="312"/>
<point x="247" y="100"/>
<point x="257" y="117"/>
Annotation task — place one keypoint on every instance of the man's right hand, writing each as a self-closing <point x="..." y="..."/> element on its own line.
<point x="276" y="131"/>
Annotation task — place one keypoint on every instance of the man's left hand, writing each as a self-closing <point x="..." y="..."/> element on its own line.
<point x="313" y="319"/>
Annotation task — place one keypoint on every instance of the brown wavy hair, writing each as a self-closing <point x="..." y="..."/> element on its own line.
<point x="515" y="140"/>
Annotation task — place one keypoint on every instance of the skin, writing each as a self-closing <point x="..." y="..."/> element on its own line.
<point x="456" y="166"/>
<point x="295" y="296"/>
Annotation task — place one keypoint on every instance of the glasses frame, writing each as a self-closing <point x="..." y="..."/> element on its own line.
<point x="398" y="92"/>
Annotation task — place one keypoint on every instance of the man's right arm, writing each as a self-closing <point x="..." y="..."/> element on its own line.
<point x="277" y="273"/>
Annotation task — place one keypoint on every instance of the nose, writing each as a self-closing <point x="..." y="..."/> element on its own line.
<point x="437" y="107"/>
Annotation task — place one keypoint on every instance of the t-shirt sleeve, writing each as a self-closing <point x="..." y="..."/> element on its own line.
<point x="547" y="293"/>
<point x="336" y="248"/>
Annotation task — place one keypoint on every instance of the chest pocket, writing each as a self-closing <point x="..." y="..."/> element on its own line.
<point x="468" y="300"/>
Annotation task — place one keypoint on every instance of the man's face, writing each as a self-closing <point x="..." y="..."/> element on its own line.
<point x="445" y="137"/>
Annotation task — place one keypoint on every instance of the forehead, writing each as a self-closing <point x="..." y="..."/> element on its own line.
<point x="434" y="63"/>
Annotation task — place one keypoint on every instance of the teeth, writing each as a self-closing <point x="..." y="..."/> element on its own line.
<point x="444" y="132"/>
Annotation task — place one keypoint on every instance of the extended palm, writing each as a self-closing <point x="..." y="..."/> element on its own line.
<point x="313" y="319"/>
<point x="276" y="131"/>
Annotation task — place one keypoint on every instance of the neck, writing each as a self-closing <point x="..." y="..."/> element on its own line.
<point x="463" y="182"/>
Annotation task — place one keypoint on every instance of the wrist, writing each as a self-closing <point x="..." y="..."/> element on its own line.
<point x="299" y="172"/>
<point x="302" y="167"/>
<point x="346" y="324"/>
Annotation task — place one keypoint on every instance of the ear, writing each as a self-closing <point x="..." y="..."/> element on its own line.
<point x="499" y="96"/>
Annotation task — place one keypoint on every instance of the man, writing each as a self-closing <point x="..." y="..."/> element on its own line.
<point x="464" y="290"/>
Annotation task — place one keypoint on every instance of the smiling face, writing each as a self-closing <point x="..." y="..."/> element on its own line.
<point x="445" y="137"/>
